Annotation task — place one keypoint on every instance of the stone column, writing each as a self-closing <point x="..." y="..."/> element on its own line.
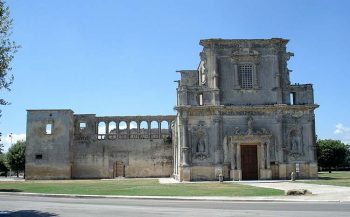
<point x="234" y="156"/>
<point x="159" y="129"/>
<point x="268" y="160"/>
<point x="235" y="173"/>
<point x="117" y="128"/>
<point x="184" y="100"/>
<point x="255" y="77"/>
<point x="279" y="138"/>
<point x="138" y="129"/>
<point x="262" y="156"/>
<point x="149" y="129"/>
<point x="169" y="128"/>
<point x="277" y="68"/>
<point x="185" y="145"/>
<point x="128" y="128"/>
<point x="107" y="127"/>
<point x="238" y="156"/>
<point x="236" y="77"/>
<point x="218" y="145"/>
<point x="214" y="70"/>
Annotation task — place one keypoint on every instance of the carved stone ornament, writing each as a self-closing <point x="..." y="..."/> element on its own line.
<point x="250" y="129"/>
<point x="245" y="54"/>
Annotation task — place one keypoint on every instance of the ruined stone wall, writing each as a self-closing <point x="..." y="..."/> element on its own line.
<point x="86" y="146"/>
<point x="48" y="154"/>
<point x="141" y="145"/>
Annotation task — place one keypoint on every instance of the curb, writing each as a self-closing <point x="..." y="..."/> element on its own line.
<point x="222" y="199"/>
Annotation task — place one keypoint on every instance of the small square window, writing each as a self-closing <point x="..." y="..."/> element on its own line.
<point x="82" y="125"/>
<point x="38" y="156"/>
<point x="48" y="129"/>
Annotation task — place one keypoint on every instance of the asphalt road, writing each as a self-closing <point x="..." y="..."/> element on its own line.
<point x="12" y="205"/>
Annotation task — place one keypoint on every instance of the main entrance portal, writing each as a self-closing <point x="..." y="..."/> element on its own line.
<point x="249" y="162"/>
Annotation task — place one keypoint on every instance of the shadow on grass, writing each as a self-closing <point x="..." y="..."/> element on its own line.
<point x="333" y="178"/>
<point x="10" y="190"/>
<point x="27" y="213"/>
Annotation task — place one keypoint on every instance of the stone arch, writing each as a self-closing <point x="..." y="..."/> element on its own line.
<point x="143" y="127"/>
<point x="133" y="127"/>
<point x="154" y="127"/>
<point x="164" y="127"/>
<point x="101" y="128"/>
<point x="112" y="127"/>
<point x="123" y="127"/>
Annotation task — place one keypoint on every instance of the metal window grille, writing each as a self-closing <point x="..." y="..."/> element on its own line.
<point x="246" y="76"/>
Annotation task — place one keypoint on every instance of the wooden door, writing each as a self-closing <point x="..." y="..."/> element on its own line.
<point x="120" y="169"/>
<point x="249" y="162"/>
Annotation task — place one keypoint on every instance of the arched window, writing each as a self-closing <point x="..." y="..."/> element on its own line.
<point x="101" y="130"/>
<point x="112" y="127"/>
<point x="122" y="127"/>
<point x="154" y="127"/>
<point x="133" y="127"/>
<point x="143" y="127"/>
<point x="165" y="127"/>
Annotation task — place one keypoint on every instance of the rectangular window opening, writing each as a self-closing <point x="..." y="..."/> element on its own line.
<point x="82" y="125"/>
<point x="292" y="98"/>
<point x="200" y="99"/>
<point x="246" y="76"/>
<point x="38" y="156"/>
<point x="48" y="129"/>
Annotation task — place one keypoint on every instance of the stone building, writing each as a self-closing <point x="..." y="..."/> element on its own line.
<point x="238" y="116"/>
<point x="62" y="145"/>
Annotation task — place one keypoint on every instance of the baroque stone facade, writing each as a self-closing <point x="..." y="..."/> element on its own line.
<point x="238" y="116"/>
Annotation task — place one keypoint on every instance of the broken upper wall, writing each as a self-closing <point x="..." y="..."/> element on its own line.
<point x="241" y="72"/>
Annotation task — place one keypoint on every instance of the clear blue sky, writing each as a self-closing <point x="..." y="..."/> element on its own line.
<point x="119" y="57"/>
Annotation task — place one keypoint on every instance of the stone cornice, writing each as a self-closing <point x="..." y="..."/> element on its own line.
<point x="233" y="42"/>
<point x="236" y="110"/>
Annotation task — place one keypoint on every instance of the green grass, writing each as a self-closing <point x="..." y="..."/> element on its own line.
<point x="136" y="187"/>
<point x="334" y="178"/>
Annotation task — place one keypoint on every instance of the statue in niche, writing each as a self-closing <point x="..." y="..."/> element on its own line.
<point x="204" y="77"/>
<point x="250" y="125"/>
<point x="295" y="142"/>
<point x="200" y="145"/>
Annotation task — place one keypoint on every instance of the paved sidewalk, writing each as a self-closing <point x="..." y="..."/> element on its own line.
<point x="319" y="192"/>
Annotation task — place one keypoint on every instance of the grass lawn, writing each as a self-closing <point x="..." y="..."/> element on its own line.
<point x="136" y="187"/>
<point x="334" y="178"/>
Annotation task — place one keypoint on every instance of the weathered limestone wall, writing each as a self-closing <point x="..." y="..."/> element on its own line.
<point x="54" y="148"/>
<point x="141" y="157"/>
<point x="139" y="144"/>
<point x="86" y="146"/>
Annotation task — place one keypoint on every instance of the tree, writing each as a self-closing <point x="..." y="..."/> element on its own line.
<point x="7" y="49"/>
<point x="16" y="156"/>
<point x="3" y="165"/>
<point x="1" y="146"/>
<point x="331" y="153"/>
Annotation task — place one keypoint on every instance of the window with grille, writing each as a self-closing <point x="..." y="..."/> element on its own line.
<point x="246" y="76"/>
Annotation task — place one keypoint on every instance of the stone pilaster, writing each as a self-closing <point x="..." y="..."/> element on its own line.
<point x="184" y="140"/>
